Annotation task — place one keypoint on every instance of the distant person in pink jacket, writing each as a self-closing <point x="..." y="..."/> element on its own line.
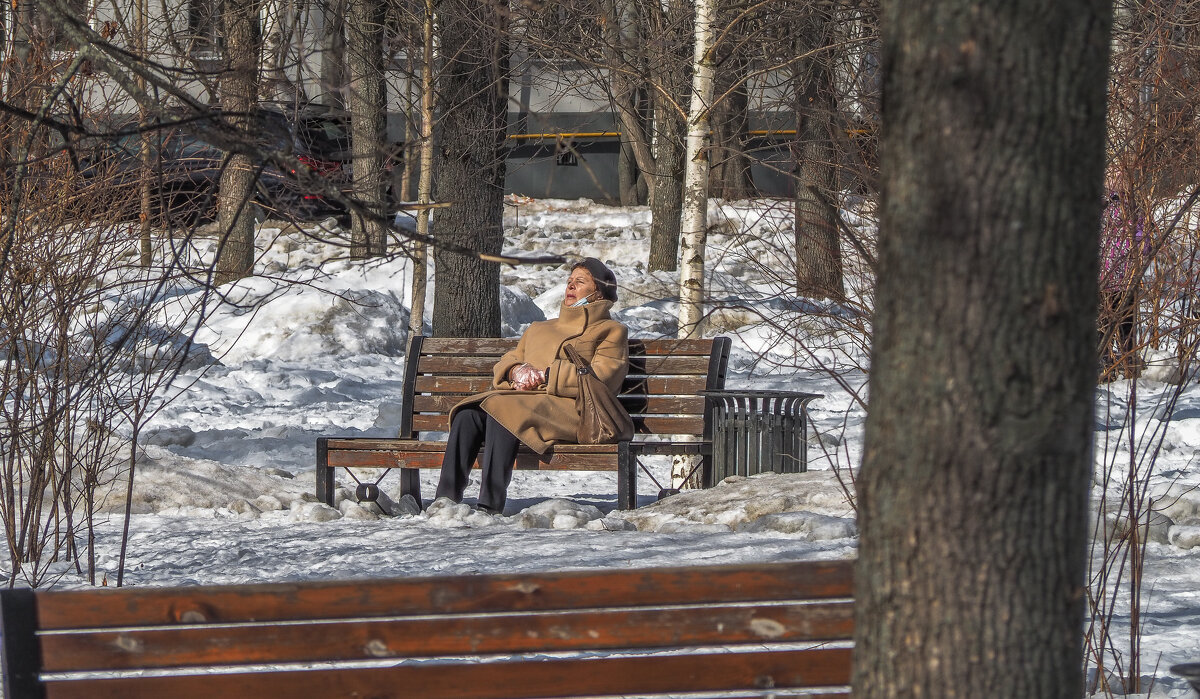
<point x="1123" y="247"/>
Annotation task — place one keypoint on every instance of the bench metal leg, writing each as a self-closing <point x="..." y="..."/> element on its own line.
<point x="410" y="484"/>
<point x="626" y="477"/>
<point x="324" y="473"/>
<point x="20" y="653"/>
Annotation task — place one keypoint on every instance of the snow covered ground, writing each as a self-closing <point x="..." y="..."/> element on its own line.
<point x="224" y="491"/>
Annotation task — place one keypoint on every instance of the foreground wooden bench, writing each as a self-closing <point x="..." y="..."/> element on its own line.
<point x="750" y="629"/>
<point x="661" y="393"/>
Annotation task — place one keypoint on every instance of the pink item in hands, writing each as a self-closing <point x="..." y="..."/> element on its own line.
<point x="525" y="378"/>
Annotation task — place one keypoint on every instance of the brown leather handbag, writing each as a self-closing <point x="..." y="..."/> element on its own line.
<point x="602" y="418"/>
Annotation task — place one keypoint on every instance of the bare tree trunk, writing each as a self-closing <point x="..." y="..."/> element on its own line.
<point x="635" y="154"/>
<point x="283" y="24"/>
<point x="409" y="169"/>
<point x="365" y="100"/>
<point x="730" y="175"/>
<point x="148" y="141"/>
<point x="469" y="160"/>
<point x="333" y="53"/>
<point x="669" y="68"/>
<point x="974" y="484"/>
<point x="666" y="190"/>
<point x="416" y="318"/>
<point x="627" y="175"/>
<point x="239" y="93"/>
<point x="694" y="216"/>
<point x="818" y="252"/>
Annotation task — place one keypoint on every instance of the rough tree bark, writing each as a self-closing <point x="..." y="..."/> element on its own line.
<point x="469" y="162"/>
<point x="669" y="68"/>
<point x="366" y="102"/>
<point x="239" y="93"/>
<point x="818" y="252"/>
<point x="729" y="177"/>
<point x="620" y="37"/>
<point x="666" y="194"/>
<point x="973" y="491"/>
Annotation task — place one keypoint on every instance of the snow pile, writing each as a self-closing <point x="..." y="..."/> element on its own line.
<point x="301" y="323"/>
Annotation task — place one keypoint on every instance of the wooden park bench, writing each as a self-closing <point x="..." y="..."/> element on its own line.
<point x="752" y="630"/>
<point x="661" y="393"/>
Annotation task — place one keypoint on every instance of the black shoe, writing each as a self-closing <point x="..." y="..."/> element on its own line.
<point x="489" y="510"/>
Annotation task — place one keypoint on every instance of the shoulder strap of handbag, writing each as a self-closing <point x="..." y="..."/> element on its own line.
<point x="581" y="364"/>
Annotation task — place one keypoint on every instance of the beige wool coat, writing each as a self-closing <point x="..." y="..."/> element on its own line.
<point x="547" y="416"/>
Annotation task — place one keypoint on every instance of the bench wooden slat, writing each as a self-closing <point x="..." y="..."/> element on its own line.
<point x="471" y="365"/>
<point x="634" y="385"/>
<point x="497" y="346"/>
<point x="526" y="461"/>
<point x="652" y="405"/>
<point x="565" y="457"/>
<point x="368" y="444"/>
<point x="498" y="680"/>
<point x="356" y="639"/>
<point x="642" y="424"/>
<point x="581" y="589"/>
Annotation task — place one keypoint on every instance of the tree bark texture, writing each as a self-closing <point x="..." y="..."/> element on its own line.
<point x="670" y="71"/>
<point x="621" y="33"/>
<point x="730" y="176"/>
<point x="973" y="490"/>
<point x="469" y="162"/>
<point x="239" y="93"/>
<point x="26" y="64"/>
<point x="366" y="100"/>
<point x="818" y="251"/>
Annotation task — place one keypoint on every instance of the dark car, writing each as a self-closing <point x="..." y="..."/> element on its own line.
<point x="293" y="181"/>
<point x="325" y="134"/>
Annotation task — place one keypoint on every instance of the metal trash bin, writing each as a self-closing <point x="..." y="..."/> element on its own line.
<point x="756" y="431"/>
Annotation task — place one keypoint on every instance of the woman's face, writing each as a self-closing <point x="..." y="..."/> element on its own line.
<point x="580" y="285"/>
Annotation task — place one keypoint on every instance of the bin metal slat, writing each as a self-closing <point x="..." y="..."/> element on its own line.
<point x="756" y="431"/>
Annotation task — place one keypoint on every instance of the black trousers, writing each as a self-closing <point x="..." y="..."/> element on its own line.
<point x="471" y="430"/>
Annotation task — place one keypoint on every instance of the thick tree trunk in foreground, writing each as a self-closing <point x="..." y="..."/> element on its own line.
<point x="469" y="162"/>
<point x="366" y="102"/>
<point x="973" y="491"/>
<point x="239" y="92"/>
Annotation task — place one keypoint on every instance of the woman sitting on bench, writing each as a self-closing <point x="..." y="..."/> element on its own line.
<point x="532" y="401"/>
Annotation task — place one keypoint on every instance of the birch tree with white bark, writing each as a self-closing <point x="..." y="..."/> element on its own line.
<point x="693" y="220"/>
<point x="416" y="317"/>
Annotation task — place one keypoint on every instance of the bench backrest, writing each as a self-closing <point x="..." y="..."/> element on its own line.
<point x="660" y="392"/>
<point x="751" y="628"/>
